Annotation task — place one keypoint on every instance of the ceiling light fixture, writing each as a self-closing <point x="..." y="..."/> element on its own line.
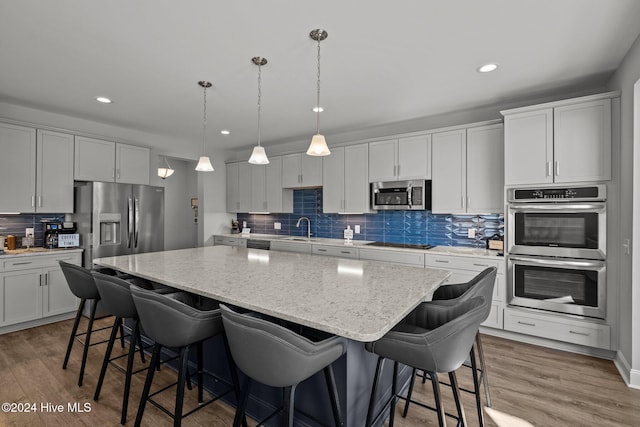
<point x="317" y="109"/>
<point x="165" y="172"/>
<point x="204" y="164"/>
<point x="225" y="132"/>
<point x="103" y="99"/>
<point x="258" y="156"/>
<point x="318" y="146"/>
<point x="487" y="68"/>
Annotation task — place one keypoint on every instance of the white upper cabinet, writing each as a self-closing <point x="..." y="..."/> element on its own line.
<point x="54" y="176"/>
<point x="266" y="188"/>
<point x="345" y="188"/>
<point x="98" y="160"/>
<point x="449" y="182"/>
<point x="238" y="187"/>
<point x="300" y="171"/>
<point x="132" y="164"/>
<point x="567" y="141"/>
<point x="17" y="168"/>
<point x="468" y="171"/>
<point x="400" y="159"/>
<point x="36" y="169"/>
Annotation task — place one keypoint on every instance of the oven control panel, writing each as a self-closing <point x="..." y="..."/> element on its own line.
<point x="596" y="192"/>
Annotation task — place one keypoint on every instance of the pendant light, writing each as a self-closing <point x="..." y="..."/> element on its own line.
<point x="318" y="146"/>
<point x="258" y="156"/>
<point x="165" y="172"/>
<point x="204" y="164"/>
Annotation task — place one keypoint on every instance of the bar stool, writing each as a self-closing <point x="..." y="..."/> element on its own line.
<point x="82" y="285"/>
<point x="173" y="321"/>
<point x="278" y="357"/>
<point x="117" y="301"/>
<point x="482" y="284"/>
<point x="432" y="338"/>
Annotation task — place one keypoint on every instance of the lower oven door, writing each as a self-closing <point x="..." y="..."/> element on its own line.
<point x="565" y="285"/>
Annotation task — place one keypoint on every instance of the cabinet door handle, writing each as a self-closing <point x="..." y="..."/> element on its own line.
<point x="579" y="333"/>
<point x="548" y="169"/>
<point x="40" y="276"/>
<point x="21" y="263"/>
<point x="113" y="173"/>
<point x="481" y="265"/>
<point x="118" y="173"/>
<point x="46" y="279"/>
<point x="526" y="323"/>
<point x="39" y="201"/>
<point x="442" y="261"/>
<point x="322" y="250"/>
<point x="557" y="168"/>
<point x="33" y="201"/>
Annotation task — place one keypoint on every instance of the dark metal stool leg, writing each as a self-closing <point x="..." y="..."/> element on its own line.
<point x="184" y="360"/>
<point x="372" y="401"/>
<point x="155" y="360"/>
<point x="128" y="372"/>
<point x="74" y="331"/>
<point x="483" y="367"/>
<point x="107" y="356"/>
<point x="121" y="327"/>
<point x="436" y="395"/>
<point x="476" y="386"/>
<point x="87" y="341"/>
<point x="409" y="392"/>
<point x="233" y="369"/>
<point x="288" y="405"/>
<point x="462" y="419"/>
<point x="200" y="372"/>
<point x="242" y="404"/>
<point x="140" y="342"/>
<point x="333" y="395"/>
<point x="394" y="394"/>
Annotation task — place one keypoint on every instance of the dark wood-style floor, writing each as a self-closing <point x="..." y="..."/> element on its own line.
<point x="541" y="386"/>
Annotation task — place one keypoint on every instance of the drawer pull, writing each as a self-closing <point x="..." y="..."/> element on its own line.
<point x="442" y="261"/>
<point x="526" y="323"/>
<point x="322" y="250"/>
<point x="579" y="333"/>
<point x="481" y="265"/>
<point x="345" y="252"/>
<point x="22" y="263"/>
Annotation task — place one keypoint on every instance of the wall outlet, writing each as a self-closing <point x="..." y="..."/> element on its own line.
<point x="471" y="233"/>
<point x="28" y="232"/>
<point x="277" y="226"/>
<point x="356" y="229"/>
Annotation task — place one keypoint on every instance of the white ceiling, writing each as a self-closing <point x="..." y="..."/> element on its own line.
<point x="383" y="61"/>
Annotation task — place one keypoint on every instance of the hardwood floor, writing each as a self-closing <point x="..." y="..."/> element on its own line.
<point x="541" y="386"/>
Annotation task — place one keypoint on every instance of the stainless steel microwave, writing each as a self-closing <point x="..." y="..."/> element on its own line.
<point x="401" y="195"/>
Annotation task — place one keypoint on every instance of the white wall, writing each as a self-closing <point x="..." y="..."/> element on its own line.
<point x="212" y="191"/>
<point x="629" y="216"/>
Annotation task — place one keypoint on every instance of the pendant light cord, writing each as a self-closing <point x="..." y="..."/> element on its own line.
<point x="204" y="122"/>
<point x="259" y="99"/>
<point x="318" y="94"/>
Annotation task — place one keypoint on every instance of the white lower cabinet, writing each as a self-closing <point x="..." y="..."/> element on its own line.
<point x="230" y="241"/>
<point x="464" y="269"/>
<point x="303" y="248"/>
<point x="397" y="257"/>
<point x="558" y="327"/>
<point x="336" y="251"/>
<point x="33" y="287"/>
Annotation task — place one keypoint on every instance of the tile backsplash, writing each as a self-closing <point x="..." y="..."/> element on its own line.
<point x="16" y="224"/>
<point x="414" y="227"/>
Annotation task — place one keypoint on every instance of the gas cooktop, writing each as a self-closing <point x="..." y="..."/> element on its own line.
<point x="400" y="245"/>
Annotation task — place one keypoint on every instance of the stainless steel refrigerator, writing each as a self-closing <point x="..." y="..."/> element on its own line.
<point x="118" y="219"/>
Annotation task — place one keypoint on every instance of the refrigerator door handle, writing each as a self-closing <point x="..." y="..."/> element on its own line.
<point x="137" y="223"/>
<point x="129" y="222"/>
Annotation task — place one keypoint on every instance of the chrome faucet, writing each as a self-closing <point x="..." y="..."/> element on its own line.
<point x="308" y="225"/>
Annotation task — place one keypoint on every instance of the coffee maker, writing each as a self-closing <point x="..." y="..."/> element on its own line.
<point x="52" y="231"/>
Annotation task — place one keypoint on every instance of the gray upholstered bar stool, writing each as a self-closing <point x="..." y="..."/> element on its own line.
<point x="278" y="357"/>
<point x="83" y="286"/>
<point x="481" y="284"/>
<point x="117" y="301"/>
<point x="179" y="321"/>
<point x="432" y="338"/>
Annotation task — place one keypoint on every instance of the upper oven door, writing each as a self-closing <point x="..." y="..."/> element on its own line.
<point x="573" y="230"/>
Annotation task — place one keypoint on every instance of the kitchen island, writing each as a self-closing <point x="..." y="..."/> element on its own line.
<point x="358" y="300"/>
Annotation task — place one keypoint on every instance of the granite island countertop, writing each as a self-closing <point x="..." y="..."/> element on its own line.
<point x="360" y="300"/>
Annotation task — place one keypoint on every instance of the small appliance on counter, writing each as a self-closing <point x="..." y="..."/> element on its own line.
<point x="60" y="235"/>
<point x="235" y="227"/>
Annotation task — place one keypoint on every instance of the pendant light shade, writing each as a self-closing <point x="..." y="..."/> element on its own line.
<point x="259" y="156"/>
<point x="165" y="172"/>
<point x="204" y="164"/>
<point x="318" y="146"/>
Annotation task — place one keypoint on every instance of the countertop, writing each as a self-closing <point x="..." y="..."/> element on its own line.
<point x="360" y="300"/>
<point x="437" y="250"/>
<point x="36" y="251"/>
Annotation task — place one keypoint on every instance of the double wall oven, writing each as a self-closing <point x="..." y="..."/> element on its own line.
<point x="557" y="249"/>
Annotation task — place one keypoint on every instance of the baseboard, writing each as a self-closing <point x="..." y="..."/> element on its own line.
<point x="623" y="367"/>
<point x="37" y="322"/>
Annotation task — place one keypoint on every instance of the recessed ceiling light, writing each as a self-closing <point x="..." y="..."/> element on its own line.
<point x="225" y="132"/>
<point x="103" y="99"/>
<point x="318" y="109"/>
<point x="487" y="68"/>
